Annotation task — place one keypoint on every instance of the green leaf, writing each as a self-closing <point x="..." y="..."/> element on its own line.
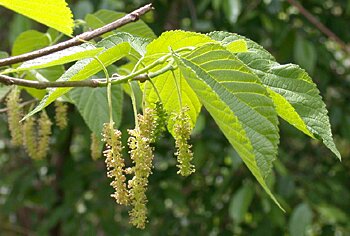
<point x="331" y="214"/>
<point x="4" y="90"/>
<point x="47" y="74"/>
<point x="232" y="9"/>
<point x="116" y="48"/>
<point x="301" y="218"/>
<point x="239" y="45"/>
<point x="3" y="54"/>
<point x="93" y="107"/>
<point x="240" y="203"/>
<point x="165" y="83"/>
<point x="54" y="13"/>
<point x="28" y="41"/>
<point x="58" y="58"/>
<point x="103" y="17"/>
<point x="294" y="94"/>
<point x="305" y="54"/>
<point x="239" y="104"/>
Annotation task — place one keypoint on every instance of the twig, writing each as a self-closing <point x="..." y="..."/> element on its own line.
<point x="23" y="104"/>
<point x="324" y="29"/>
<point x="93" y="83"/>
<point x="79" y="39"/>
<point x="140" y="75"/>
<point x="8" y="80"/>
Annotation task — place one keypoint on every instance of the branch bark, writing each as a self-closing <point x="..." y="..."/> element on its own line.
<point x="8" y="80"/>
<point x="93" y="83"/>
<point x="79" y="39"/>
<point x="324" y="29"/>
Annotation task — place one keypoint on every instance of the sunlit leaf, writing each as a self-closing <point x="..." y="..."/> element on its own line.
<point x="239" y="104"/>
<point x="62" y="57"/>
<point x="165" y="83"/>
<point x="53" y="13"/>
<point x="295" y="95"/>
<point x="115" y="49"/>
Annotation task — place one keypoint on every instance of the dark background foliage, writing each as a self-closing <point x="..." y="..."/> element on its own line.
<point x="68" y="193"/>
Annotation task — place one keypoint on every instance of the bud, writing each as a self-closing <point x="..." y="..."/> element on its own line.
<point x="61" y="114"/>
<point x="14" y="113"/>
<point x="182" y="131"/>
<point x="115" y="162"/>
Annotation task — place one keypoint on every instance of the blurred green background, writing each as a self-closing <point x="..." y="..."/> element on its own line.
<point x="68" y="193"/>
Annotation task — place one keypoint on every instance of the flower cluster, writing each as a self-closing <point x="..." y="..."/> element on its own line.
<point x="141" y="154"/>
<point x="182" y="131"/>
<point x="14" y="113"/>
<point x="37" y="142"/>
<point x="94" y="148"/>
<point x="44" y="133"/>
<point x="149" y="126"/>
<point x="115" y="163"/>
<point x="61" y="110"/>
<point x="160" y="120"/>
<point x="29" y="137"/>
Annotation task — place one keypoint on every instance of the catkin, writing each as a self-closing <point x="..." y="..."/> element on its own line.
<point x="160" y="121"/>
<point x="141" y="154"/>
<point x="14" y="113"/>
<point x="115" y="163"/>
<point x="94" y="147"/>
<point x="61" y="110"/>
<point x="44" y="133"/>
<point x="29" y="137"/>
<point x="182" y="132"/>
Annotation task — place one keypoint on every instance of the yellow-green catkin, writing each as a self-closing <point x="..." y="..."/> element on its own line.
<point x="160" y="120"/>
<point x="61" y="110"/>
<point x="44" y="132"/>
<point x="115" y="163"/>
<point x="141" y="154"/>
<point x="94" y="147"/>
<point x="29" y="137"/>
<point x="182" y="132"/>
<point x="14" y="112"/>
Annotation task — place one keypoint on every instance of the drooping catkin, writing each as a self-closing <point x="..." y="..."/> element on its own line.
<point x="44" y="132"/>
<point x="94" y="147"/>
<point x="182" y="132"/>
<point x="115" y="163"/>
<point x="14" y="112"/>
<point x="29" y="137"/>
<point x="160" y="120"/>
<point x="141" y="154"/>
<point x="61" y="110"/>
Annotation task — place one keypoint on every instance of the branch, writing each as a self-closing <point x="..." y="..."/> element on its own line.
<point x="140" y="75"/>
<point x="324" y="29"/>
<point x="23" y="104"/>
<point x="8" y="80"/>
<point x="79" y="39"/>
<point x="93" y="83"/>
